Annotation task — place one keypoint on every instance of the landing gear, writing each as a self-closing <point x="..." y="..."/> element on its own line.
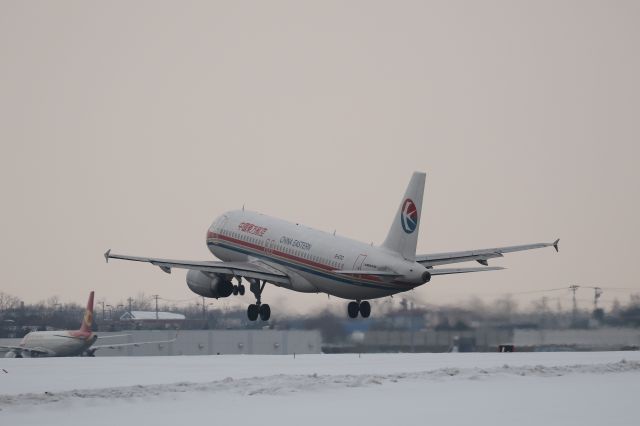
<point x="364" y="308"/>
<point x="264" y="311"/>
<point x="238" y="289"/>
<point x="352" y="309"/>
<point x="252" y="312"/>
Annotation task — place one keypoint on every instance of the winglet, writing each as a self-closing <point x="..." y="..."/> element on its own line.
<point x="555" y="244"/>
<point x="106" y="255"/>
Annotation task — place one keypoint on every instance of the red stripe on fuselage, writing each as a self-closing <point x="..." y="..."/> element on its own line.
<point x="306" y="262"/>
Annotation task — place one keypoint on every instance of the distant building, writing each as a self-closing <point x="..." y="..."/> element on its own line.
<point x="153" y="318"/>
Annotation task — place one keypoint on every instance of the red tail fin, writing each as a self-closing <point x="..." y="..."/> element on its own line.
<point x="88" y="315"/>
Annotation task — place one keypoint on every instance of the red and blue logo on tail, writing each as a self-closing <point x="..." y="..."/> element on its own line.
<point x="409" y="216"/>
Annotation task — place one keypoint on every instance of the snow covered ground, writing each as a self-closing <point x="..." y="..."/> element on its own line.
<point x="592" y="388"/>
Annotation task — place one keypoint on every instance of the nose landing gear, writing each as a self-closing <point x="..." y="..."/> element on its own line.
<point x="253" y="311"/>
<point x="364" y="308"/>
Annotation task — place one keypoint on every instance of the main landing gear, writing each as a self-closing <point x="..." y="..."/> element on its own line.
<point x="239" y="288"/>
<point x="253" y="311"/>
<point x="364" y="308"/>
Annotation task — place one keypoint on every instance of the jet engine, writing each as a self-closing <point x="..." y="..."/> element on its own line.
<point x="209" y="285"/>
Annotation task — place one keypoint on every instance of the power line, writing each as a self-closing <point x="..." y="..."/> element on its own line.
<point x="191" y="299"/>
<point x="539" y="291"/>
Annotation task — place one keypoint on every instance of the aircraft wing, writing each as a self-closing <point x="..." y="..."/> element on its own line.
<point x="481" y="256"/>
<point x="254" y="269"/>
<point x="113" y="336"/>
<point x="94" y="348"/>
<point x="33" y="350"/>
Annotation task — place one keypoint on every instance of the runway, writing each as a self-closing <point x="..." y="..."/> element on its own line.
<point x="516" y="388"/>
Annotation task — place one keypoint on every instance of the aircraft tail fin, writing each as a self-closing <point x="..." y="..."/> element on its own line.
<point x="403" y="234"/>
<point x="87" y="320"/>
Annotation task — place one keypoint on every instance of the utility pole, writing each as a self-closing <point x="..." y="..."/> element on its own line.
<point x="130" y="300"/>
<point x="412" y="313"/>
<point x="574" y="288"/>
<point x="204" y="309"/>
<point x="102" y="303"/>
<point x="597" y="293"/>
<point x="155" y="296"/>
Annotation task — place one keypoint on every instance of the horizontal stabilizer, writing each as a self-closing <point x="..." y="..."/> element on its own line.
<point x="481" y="256"/>
<point x="449" y="271"/>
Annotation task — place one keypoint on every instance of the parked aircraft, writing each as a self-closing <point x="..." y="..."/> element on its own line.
<point x="264" y="249"/>
<point x="65" y="342"/>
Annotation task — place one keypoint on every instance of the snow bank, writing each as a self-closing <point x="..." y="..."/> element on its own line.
<point x="408" y="389"/>
<point x="283" y="384"/>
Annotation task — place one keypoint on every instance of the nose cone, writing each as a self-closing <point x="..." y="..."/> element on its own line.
<point x="426" y="277"/>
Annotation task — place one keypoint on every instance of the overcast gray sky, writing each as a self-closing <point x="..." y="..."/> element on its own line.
<point x="132" y="125"/>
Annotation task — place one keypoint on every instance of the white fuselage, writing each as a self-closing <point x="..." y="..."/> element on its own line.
<point x="58" y="343"/>
<point x="311" y="258"/>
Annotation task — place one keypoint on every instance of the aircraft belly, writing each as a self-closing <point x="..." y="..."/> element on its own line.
<point x="346" y="290"/>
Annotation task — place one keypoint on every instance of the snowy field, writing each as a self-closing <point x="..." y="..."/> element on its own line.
<point x="592" y="388"/>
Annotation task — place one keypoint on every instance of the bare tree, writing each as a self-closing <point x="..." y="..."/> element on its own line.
<point x="8" y="302"/>
<point x="142" y="302"/>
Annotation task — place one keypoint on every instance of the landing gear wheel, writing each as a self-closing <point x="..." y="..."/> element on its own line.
<point x="241" y="290"/>
<point x="235" y="290"/>
<point x="365" y="309"/>
<point x="265" y="312"/>
<point x="352" y="309"/>
<point x="252" y="312"/>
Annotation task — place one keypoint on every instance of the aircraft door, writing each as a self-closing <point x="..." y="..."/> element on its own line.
<point x="357" y="265"/>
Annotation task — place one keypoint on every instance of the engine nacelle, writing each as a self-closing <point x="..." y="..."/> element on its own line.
<point x="205" y="285"/>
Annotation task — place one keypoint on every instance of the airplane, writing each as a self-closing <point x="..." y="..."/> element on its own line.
<point x="264" y="249"/>
<point x="62" y="343"/>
